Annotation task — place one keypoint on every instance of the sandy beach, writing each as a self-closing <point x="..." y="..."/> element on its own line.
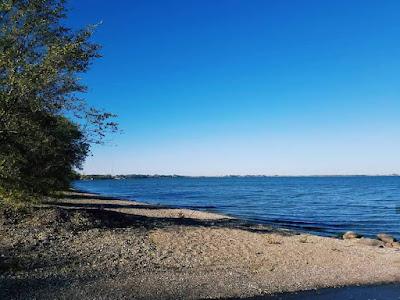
<point x="90" y="247"/>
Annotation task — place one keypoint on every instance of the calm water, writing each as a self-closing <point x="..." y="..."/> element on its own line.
<point x="323" y="205"/>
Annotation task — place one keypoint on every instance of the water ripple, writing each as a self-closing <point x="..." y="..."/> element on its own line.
<point x="323" y="205"/>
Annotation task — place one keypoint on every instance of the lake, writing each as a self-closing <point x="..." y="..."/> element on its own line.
<point x="323" y="205"/>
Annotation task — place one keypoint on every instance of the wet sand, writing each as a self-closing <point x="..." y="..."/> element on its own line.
<point x="85" y="246"/>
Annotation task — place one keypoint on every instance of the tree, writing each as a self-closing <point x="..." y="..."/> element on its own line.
<point x="45" y="128"/>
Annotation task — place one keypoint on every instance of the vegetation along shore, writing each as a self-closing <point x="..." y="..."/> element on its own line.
<point x="85" y="246"/>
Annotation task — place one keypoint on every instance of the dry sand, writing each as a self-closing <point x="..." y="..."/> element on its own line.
<point x="88" y="247"/>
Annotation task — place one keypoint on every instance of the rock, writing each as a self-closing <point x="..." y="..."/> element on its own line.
<point x="371" y="242"/>
<point x="395" y="245"/>
<point x="350" y="235"/>
<point x="386" y="238"/>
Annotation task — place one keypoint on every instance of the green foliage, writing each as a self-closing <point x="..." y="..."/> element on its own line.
<point x="41" y="158"/>
<point x="45" y="128"/>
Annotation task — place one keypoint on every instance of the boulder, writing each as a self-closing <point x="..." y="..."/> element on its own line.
<point x="370" y="242"/>
<point x="350" y="235"/>
<point x="386" y="238"/>
<point x="395" y="245"/>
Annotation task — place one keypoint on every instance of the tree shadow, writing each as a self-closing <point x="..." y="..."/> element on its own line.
<point x="82" y="196"/>
<point x="104" y="205"/>
<point x="106" y="216"/>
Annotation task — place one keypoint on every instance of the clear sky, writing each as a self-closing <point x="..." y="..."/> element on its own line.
<point x="246" y="87"/>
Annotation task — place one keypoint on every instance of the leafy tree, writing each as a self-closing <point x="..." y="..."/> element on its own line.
<point x="45" y="128"/>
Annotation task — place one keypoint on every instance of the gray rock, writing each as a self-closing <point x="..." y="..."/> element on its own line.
<point x="350" y="235"/>
<point x="371" y="242"/>
<point x="386" y="238"/>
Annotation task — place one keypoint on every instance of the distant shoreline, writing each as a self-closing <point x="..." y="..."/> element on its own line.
<point x="143" y="176"/>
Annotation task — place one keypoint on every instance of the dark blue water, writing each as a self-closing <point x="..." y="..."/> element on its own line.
<point x="369" y="292"/>
<point x="322" y="205"/>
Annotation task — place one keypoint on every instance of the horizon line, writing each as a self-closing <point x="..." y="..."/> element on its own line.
<point x="239" y="175"/>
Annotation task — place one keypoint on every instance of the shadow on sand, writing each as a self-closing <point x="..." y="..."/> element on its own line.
<point x="107" y="215"/>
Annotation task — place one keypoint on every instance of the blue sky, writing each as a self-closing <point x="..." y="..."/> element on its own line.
<point x="246" y="87"/>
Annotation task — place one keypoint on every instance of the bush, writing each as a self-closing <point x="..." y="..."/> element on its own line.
<point x="39" y="62"/>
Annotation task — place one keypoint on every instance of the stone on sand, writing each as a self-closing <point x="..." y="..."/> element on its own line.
<point x="370" y="242"/>
<point x="350" y="235"/>
<point x="386" y="238"/>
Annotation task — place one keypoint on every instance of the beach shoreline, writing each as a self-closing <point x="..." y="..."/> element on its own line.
<point x="86" y="245"/>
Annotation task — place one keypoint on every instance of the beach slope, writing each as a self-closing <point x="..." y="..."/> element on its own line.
<point x="90" y="247"/>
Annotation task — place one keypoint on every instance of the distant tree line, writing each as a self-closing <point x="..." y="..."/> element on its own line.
<point x="129" y="176"/>
<point x="46" y="129"/>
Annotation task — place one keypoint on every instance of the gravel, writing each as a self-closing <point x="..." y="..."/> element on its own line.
<point x="86" y="247"/>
